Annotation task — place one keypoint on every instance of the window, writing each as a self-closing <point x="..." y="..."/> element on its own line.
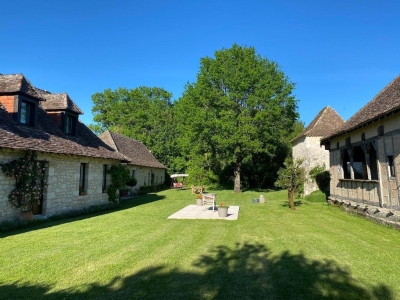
<point x="381" y="130"/>
<point x="83" y="179"/>
<point x="26" y="112"/>
<point x="373" y="161"/>
<point x="359" y="163"/>
<point x="70" y="124"/>
<point x="391" y="165"/>
<point x="133" y="174"/>
<point x="104" y="178"/>
<point x="345" y="159"/>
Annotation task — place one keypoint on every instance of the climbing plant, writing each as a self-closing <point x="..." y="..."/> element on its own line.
<point x="28" y="172"/>
<point x="120" y="175"/>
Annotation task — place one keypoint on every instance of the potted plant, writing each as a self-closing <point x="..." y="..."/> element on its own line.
<point x="28" y="173"/>
<point x="119" y="176"/>
<point x="223" y="210"/>
<point x="131" y="183"/>
<point x="124" y="192"/>
<point x="199" y="200"/>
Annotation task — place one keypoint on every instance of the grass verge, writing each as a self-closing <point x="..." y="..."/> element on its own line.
<point x="270" y="252"/>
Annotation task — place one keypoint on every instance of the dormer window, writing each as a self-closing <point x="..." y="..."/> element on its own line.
<point x="27" y="111"/>
<point x="70" y="124"/>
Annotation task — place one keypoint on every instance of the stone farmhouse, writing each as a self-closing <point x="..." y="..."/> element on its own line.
<point x="143" y="165"/>
<point x="77" y="160"/>
<point x="307" y="145"/>
<point x="365" y="153"/>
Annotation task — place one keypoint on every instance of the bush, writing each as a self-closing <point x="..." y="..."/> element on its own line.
<point x="316" y="196"/>
<point x="120" y="175"/>
<point x="145" y="189"/>
<point x="322" y="178"/>
<point x="131" y="182"/>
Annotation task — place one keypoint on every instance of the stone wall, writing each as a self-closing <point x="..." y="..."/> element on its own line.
<point x="63" y="178"/>
<point x="376" y="214"/>
<point x="7" y="184"/>
<point x="143" y="175"/>
<point x="313" y="154"/>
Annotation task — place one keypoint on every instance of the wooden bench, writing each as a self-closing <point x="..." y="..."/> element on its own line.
<point x="197" y="189"/>
<point x="209" y="199"/>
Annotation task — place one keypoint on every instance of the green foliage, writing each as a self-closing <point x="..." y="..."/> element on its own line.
<point x="120" y="175"/>
<point x="240" y="106"/>
<point x="291" y="177"/>
<point x="316" y="196"/>
<point x="131" y="182"/>
<point x="322" y="177"/>
<point x="143" y="113"/>
<point x="317" y="170"/>
<point x="28" y="172"/>
<point x="239" y="115"/>
<point x="323" y="180"/>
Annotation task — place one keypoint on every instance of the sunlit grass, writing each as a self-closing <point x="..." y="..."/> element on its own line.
<point x="270" y="252"/>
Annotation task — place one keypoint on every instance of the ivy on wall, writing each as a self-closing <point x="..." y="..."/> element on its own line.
<point x="28" y="172"/>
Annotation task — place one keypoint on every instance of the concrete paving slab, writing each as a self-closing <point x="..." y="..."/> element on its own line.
<point x="197" y="212"/>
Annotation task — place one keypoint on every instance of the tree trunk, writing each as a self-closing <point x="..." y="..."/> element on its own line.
<point x="236" y="174"/>
<point x="291" y="202"/>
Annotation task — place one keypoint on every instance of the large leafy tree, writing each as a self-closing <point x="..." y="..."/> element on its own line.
<point x="240" y="107"/>
<point x="143" y="113"/>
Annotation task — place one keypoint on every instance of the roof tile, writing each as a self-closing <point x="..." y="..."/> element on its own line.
<point x="133" y="149"/>
<point x="386" y="101"/>
<point x="46" y="136"/>
<point x="325" y="123"/>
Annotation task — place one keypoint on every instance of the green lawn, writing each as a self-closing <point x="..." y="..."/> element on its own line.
<point x="270" y="252"/>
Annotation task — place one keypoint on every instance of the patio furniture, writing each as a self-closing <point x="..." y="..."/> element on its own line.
<point x="209" y="199"/>
<point x="178" y="181"/>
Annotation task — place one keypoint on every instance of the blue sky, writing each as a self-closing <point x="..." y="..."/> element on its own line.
<point x="339" y="53"/>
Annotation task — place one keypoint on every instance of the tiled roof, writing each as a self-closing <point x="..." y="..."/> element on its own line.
<point x="136" y="151"/>
<point x="384" y="103"/>
<point x="59" y="102"/>
<point x="17" y="83"/>
<point x="325" y="123"/>
<point x="46" y="136"/>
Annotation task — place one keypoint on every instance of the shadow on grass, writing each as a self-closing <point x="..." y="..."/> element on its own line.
<point x="12" y="228"/>
<point x="296" y="203"/>
<point x="247" y="271"/>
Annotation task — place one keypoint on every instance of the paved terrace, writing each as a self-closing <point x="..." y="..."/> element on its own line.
<point x="198" y="212"/>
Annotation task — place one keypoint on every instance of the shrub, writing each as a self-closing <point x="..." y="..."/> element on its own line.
<point x="316" y="196"/>
<point x="323" y="180"/>
<point x="120" y="175"/>
<point x="321" y="177"/>
<point x="131" y="182"/>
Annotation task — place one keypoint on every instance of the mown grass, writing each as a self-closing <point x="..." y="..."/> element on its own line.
<point x="270" y="252"/>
